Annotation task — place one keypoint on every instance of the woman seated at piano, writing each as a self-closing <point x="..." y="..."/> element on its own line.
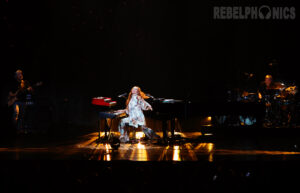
<point x="135" y="105"/>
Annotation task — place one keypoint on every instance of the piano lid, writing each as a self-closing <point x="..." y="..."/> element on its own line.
<point x="163" y="100"/>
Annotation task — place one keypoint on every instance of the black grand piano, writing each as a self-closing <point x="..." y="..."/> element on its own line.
<point x="168" y="110"/>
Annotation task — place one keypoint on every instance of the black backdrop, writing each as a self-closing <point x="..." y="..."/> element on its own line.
<point x="81" y="49"/>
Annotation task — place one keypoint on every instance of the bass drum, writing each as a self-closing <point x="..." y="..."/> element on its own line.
<point x="249" y="97"/>
<point x="247" y="120"/>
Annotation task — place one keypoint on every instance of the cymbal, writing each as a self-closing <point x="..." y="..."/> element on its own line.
<point x="278" y="85"/>
<point x="291" y="90"/>
<point x="245" y="93"/>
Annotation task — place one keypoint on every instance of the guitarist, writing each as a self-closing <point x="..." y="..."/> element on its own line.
<point x="17" y="99"/>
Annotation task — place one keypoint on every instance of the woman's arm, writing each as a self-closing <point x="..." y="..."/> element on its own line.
<point x="144" y="104"/>
<point x="122" y="111"/>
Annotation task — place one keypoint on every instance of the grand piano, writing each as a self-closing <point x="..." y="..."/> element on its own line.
<point x="168" y="110"/>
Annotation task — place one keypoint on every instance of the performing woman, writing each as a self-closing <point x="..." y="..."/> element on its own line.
<point x="135" y="105"/>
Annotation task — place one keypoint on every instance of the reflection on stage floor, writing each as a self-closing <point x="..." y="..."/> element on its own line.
<point x="192" y="147"/>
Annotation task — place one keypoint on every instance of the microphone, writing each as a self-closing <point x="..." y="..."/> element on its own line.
<point x="123" y="95"/>
<point x="149" y="95"/>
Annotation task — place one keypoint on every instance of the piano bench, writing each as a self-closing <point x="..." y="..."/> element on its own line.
<point x="133" y="130"/>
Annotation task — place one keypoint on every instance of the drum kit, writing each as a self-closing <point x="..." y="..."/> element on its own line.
<point x="279" y="102"/>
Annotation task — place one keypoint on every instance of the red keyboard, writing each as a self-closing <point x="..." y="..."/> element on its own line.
<point x="103" y="101"/>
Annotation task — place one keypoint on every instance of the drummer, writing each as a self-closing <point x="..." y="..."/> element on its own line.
<point x="266" y="87"/>
<point x="266" y="93"/>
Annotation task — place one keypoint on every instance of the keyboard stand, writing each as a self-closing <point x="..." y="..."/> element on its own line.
<point x="106" y="129"/>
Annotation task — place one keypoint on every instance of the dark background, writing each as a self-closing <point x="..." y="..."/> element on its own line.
<point x="172" y="49"/>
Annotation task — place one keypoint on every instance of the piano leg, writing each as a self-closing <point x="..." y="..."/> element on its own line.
<point x="106" y="130"/>
<point x="164" y="130"/>
<point x="172" y="128"/>
<point x="99" y="128"/>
